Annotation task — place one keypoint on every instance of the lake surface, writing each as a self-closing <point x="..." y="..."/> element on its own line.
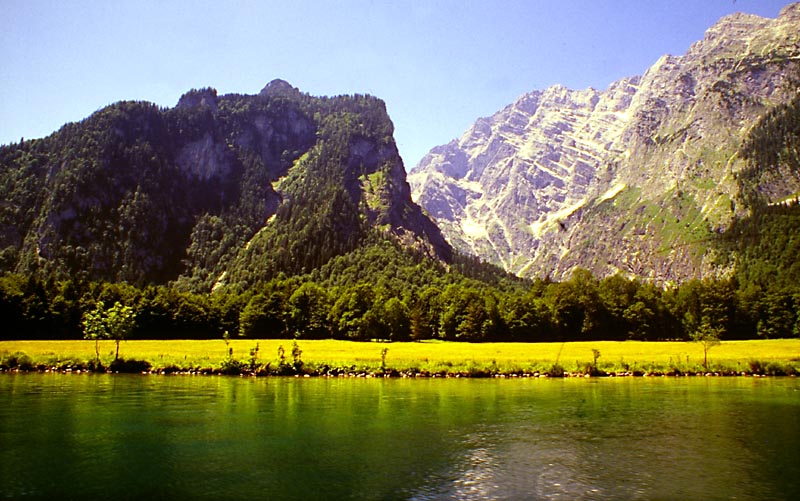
<point x="150" y="437"/>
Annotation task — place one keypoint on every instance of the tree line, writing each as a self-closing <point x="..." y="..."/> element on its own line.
<point x="450" y="306"/>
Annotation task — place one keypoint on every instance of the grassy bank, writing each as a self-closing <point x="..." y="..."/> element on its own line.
<point x="426" y="358"/>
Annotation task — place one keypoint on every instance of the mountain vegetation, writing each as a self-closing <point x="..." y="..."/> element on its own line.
<point x="239" y="187"/>
<point x="383" y="292"/>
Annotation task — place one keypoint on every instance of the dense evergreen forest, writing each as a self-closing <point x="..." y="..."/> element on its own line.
<point x="382" y="291"/>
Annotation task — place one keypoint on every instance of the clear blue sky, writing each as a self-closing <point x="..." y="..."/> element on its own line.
<point x="439" y="65"/>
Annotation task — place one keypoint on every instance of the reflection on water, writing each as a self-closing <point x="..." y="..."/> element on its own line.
<point x="286" y="438"/>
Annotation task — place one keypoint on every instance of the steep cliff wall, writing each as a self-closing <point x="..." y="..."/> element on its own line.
<point x="637" y="178"/>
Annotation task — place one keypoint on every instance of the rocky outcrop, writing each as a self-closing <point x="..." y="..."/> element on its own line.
<point x="634" y="179"/>
<point x="194" y="98"/>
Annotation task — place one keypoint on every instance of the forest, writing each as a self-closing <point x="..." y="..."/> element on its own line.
<point x="384" y="292"/>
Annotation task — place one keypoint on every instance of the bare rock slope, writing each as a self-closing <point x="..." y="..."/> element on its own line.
<point x="634" y="179"/>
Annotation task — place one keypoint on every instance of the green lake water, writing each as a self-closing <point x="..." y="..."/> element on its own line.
<point x="165" y="437"/>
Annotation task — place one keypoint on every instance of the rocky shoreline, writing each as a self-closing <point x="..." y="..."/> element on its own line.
<point x="391" y="373"/>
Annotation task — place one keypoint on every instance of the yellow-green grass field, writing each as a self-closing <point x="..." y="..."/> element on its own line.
<point x="430" y="356"/>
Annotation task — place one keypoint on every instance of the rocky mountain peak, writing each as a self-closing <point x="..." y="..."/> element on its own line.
<point x="626" y="179"/>
<point x="790" y="12"/>
<point x="741" y="35"/>
<point x="279" y="87"/>
<point x="735" y="25"/>
<point x="204" y="97"/>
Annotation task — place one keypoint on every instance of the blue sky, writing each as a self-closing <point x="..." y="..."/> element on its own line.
<point x="439" y="65"/>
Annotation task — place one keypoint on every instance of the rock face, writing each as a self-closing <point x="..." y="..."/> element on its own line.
<point x="632" y="179"/>
<point x="236" y="186"/>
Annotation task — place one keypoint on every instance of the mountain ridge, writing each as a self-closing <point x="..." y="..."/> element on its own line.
<point x="632" y="179"/>
<point x="145" y="194"/>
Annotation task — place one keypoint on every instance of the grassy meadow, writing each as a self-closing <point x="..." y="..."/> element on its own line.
<point x="432" y="357"/>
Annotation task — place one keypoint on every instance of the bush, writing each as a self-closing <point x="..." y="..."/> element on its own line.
<point x="775" y="369"/>
<point x="556" y="370"/>
<point x="762" y="368"/>
<point x="756" y="366"/>
<point x="231" y="367"/>
<point x="18" y="360"/>
<point x="590" y="368"/>
<point x="129" y="366"/>
<point x="96" y="366"/>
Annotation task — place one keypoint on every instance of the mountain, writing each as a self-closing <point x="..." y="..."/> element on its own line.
<point x="643" y="178"/>
<point x="218" y="190"/>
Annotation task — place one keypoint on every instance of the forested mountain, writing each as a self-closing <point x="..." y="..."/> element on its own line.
<point x="218" y="190"/>
<point x="642" y="178"/>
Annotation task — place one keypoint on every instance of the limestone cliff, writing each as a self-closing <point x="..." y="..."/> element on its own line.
<point x="636" y="178"/>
